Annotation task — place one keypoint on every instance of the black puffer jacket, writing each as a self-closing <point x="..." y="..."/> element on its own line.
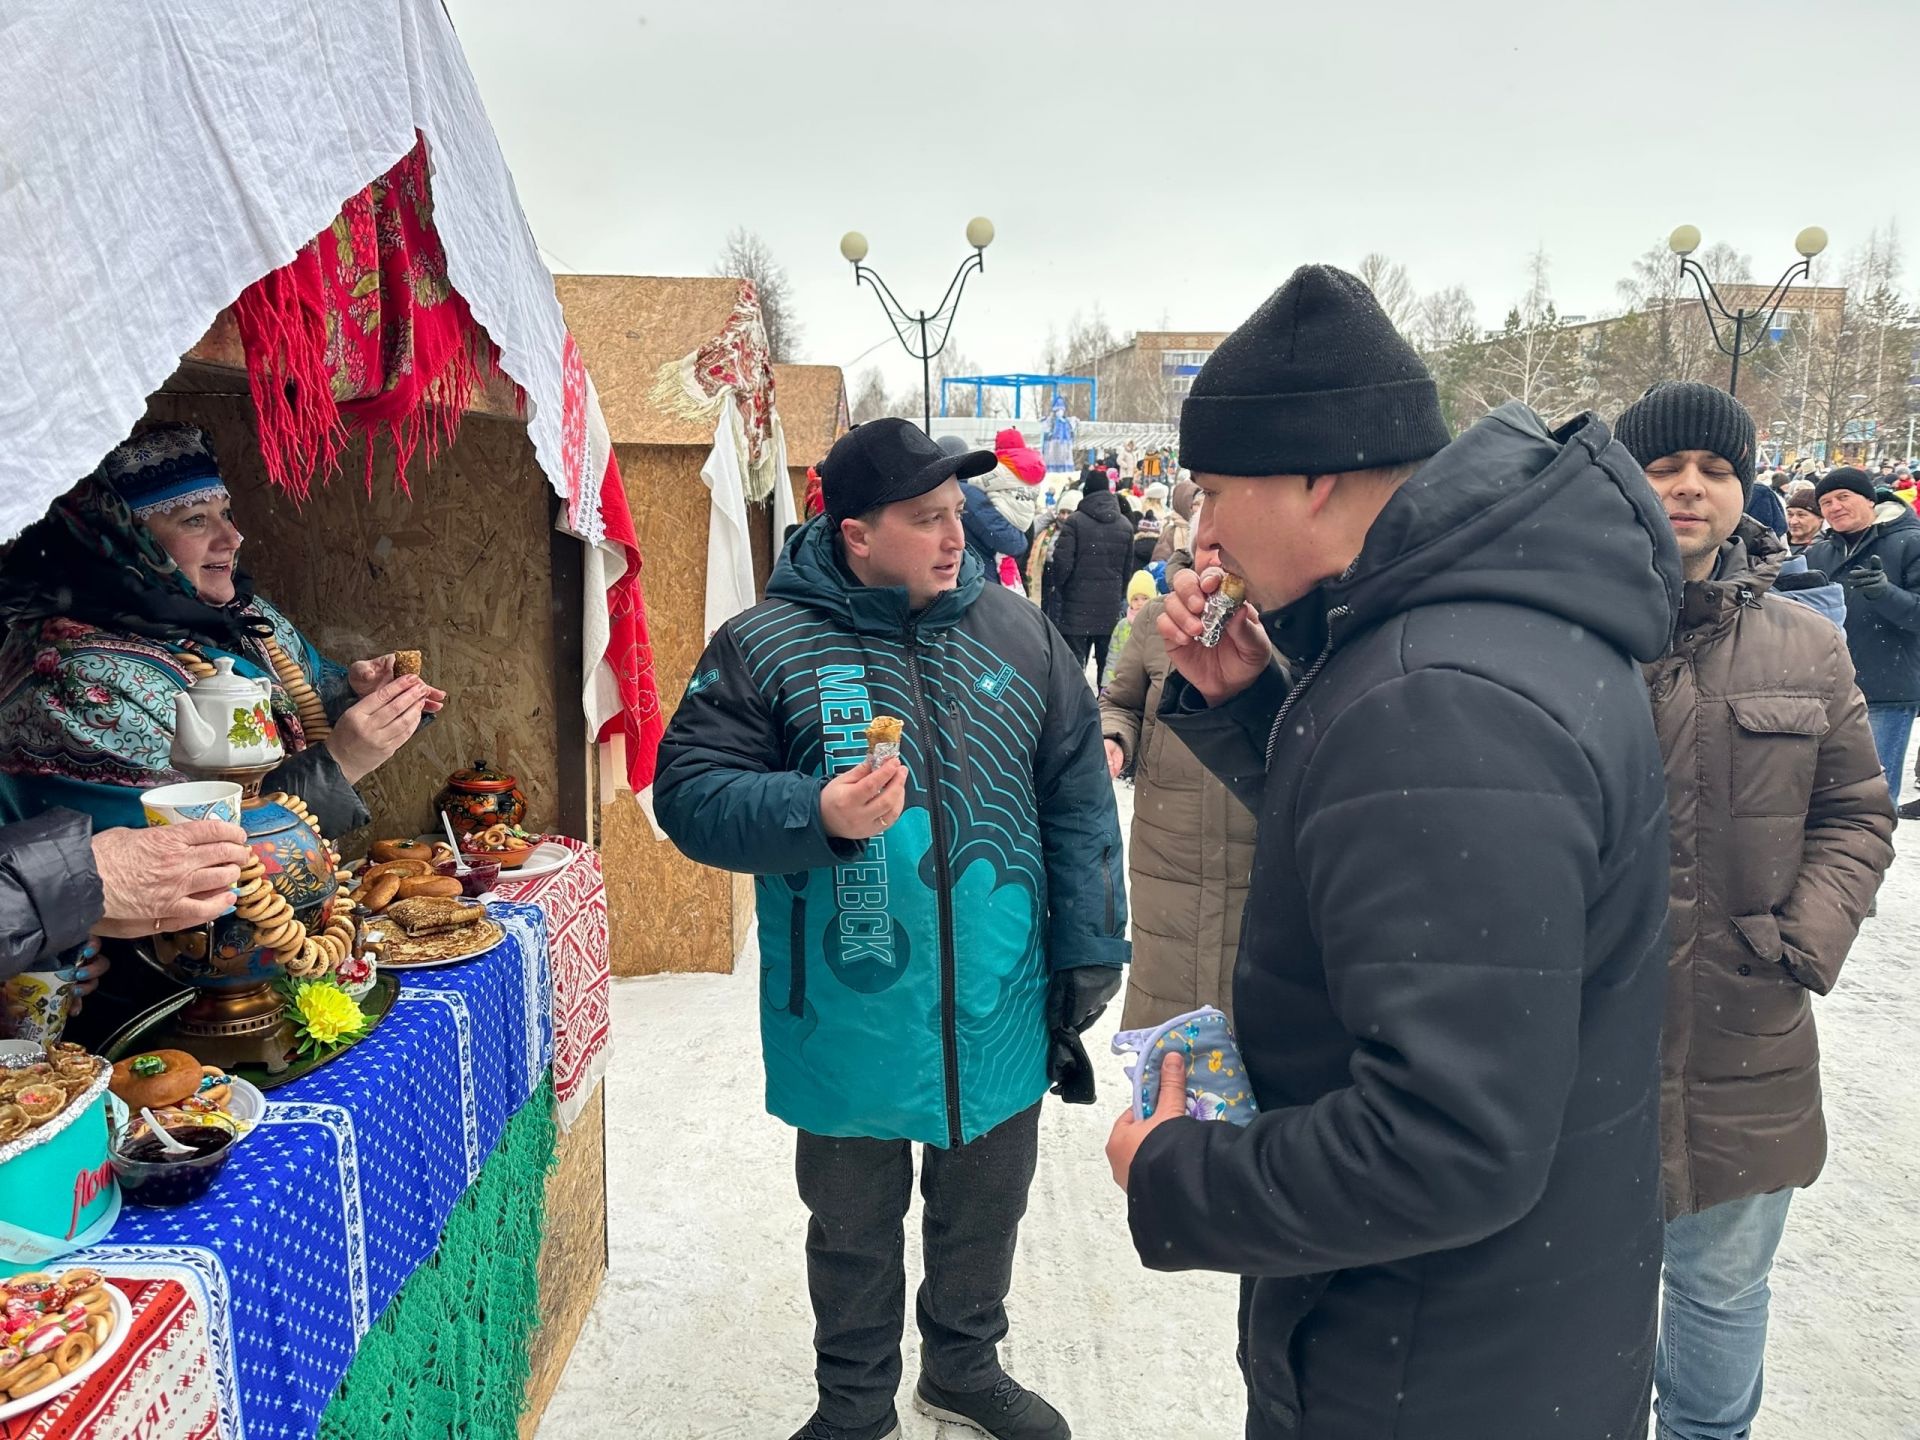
<point x="1883" y="634"/>
<point x="1451" y="971"/>
<point x="49" y="890"/>
<point x="1086" y="576"/>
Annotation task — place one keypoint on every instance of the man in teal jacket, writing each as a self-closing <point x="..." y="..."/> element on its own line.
<point x="935" y="930"/>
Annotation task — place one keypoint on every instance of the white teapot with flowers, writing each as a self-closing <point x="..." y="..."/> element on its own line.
<point x="224" y="721"/>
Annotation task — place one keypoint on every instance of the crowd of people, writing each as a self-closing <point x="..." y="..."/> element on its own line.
<point x="1517" y="820"/>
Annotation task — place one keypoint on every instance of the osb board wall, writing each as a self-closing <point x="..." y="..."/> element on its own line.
<point x="663" y="911"/>
<point x="812" y="401"/>
<point x="461" y="572"/>
<point x="573" y="1254"/>
<point x="627" y="327"/>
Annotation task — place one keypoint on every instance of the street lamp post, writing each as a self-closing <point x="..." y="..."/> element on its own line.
<point x="935" y="327"/>
<point x="1686" y="239"/>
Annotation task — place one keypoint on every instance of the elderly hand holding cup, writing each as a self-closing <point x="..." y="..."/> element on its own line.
<point x="170" y="877"/>
<point x="186" y="863"/>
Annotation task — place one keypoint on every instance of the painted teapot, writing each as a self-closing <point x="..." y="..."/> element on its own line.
<point x="224" y="721"/>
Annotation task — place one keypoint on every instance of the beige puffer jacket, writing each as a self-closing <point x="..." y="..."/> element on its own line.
<point x="1780" y="823"/>
<point x="1190" y="851"/>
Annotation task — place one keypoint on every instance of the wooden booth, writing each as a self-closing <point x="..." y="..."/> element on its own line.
<point x="469" y="570"/>
<point x="635" y="333"/>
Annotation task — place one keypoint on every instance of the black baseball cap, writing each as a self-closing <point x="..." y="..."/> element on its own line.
<point x="887" y="460"/>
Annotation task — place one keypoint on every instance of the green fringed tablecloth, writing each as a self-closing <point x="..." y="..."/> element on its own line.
<point x="449" y="1356"/>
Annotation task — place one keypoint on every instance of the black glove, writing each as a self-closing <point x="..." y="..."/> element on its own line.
<point x="1075" y="999"/>
<point x="1869" y="578"/>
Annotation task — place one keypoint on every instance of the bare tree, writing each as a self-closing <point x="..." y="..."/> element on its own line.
<point x="1446" y="317"/>
<point x="1391" y="287"/>
<point x="747" y="257"/>
<point x="1533" y="359"/>
<point x="870" y="400"/>
<point x="1131" y="384"/>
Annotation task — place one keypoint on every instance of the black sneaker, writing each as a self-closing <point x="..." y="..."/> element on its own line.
<point x="818" y="1429"/>
<point x="1909" y="811"/>
<point x="1006" y="1412"/>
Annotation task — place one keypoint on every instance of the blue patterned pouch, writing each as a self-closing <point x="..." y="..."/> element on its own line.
<point x="1217" y="1086"/>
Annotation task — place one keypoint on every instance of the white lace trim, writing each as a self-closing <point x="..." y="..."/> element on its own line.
<point x="213" y="491"/>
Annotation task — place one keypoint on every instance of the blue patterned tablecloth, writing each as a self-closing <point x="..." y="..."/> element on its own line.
<point x="341" y="1192"/>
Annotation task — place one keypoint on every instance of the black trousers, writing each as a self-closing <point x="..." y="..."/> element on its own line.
<point x="857" y="1192"/>
<point x="1078" y="645"/>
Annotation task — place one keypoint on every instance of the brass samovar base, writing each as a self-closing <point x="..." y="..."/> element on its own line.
<point x="237" y="1027"/>
<point x="248" y="778"/>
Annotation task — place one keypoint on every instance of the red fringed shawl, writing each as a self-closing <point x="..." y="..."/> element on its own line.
<point x="361" y="331"/>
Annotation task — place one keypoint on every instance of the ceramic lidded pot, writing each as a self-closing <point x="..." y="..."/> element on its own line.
<point x="481" y="796"/>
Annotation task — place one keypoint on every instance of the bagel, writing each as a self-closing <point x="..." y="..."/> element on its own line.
<point x="405" y="869"/>
<point x="30" y="1375"/>
<point x="155" y="1078"/>
<point x="381" y="892"/>
<point x="73" y="1352"/>
<point x="281" y="936"/>
<point x="434" y="886"/>
<point x="385" y="850"/>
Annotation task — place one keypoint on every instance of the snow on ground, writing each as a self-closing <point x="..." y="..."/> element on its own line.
<point x="703" y="1331"/>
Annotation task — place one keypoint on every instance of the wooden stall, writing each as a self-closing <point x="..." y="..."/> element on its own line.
<point x="469" y="570"/>
<point x="665" y="912"/>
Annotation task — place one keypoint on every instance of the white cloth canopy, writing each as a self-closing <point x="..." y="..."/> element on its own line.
<point x="162" y="155"/>
<point x="159" y="156"/>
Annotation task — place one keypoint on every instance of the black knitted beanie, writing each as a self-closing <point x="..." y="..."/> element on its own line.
<point x="1315" y="382"/>
<point x="1678" y="415"/>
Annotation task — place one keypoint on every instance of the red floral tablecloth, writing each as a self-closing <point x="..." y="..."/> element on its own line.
<point x="158" y="1386"/>
<point x="574" y="900"/>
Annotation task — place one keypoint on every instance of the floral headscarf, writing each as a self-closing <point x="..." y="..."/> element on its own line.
<point x="90" y="560"/>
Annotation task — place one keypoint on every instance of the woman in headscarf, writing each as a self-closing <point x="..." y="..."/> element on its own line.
<point x="119" y="598"/>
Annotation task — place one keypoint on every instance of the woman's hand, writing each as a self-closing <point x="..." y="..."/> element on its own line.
<point x="85" y="973"/>
<point x="1116" y="758"/>
<point x="372" y="729"/>
<point x="366" y="676"/>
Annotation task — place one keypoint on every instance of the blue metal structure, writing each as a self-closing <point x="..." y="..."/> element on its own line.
<point x="1019" y="384"/>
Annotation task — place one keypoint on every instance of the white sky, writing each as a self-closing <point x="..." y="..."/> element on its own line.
<point x="1173" y="162"/>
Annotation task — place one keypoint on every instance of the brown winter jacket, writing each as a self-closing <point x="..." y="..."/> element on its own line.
<point x="1780" y="822"/>
<point x="1190" y="851"/>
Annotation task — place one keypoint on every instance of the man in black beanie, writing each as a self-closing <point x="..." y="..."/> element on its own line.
<point x="1451" y="970"/>
<point x="1763" y="909"/>
<point x="1872" y="548"/>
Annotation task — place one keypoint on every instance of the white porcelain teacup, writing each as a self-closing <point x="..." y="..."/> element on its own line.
<point x="192" y="800"/>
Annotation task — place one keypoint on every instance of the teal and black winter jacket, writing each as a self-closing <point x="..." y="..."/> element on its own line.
<point x="904" y="978"/>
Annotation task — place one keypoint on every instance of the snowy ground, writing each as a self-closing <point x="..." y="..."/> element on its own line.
<point x="703" y="1331"/>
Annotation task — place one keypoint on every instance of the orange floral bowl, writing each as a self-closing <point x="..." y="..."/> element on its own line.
<point x="511" y="858"/>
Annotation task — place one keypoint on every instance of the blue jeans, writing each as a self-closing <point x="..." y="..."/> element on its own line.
<point x="1713" y="1318"/>
<point x="1892" y="727"/>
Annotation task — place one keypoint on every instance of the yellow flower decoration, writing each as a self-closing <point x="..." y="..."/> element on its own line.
<point x="324" y="1016"/>
<point x="1214" y="1060"/>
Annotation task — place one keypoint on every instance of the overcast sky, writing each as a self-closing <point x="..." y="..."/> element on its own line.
<point x="1171" y="163"/>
